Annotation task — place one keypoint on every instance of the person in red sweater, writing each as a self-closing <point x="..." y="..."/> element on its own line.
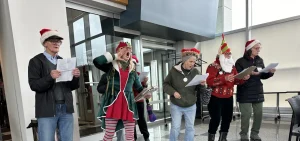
<point x="221" y="80"/>
<point x="140" y="107"/>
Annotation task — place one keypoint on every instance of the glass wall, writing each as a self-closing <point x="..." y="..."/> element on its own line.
<point x="264" y="11"/>
<point x="232" y="13"/>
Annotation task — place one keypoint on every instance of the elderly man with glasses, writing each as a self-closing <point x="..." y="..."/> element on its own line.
<point x="53" y="101"/>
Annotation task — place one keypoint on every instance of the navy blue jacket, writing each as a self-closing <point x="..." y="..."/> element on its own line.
<point x="252" y="90"/>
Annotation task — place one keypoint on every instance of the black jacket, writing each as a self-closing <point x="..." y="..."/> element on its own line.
<point x="252" y="90"/>
<point x="42" y="83"/>
<point x="101" y="88"/>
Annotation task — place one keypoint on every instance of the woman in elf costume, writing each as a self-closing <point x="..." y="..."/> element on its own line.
<point x="118" y="108"/>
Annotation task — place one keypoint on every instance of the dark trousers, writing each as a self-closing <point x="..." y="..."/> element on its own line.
<point x="220" y="109"/>
<point x="142" y="121"/>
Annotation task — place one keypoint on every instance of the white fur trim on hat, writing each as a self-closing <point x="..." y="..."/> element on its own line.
<point x="48" y="34"/>
<point x="252" y="44"/>
<point x="134" y="61"/>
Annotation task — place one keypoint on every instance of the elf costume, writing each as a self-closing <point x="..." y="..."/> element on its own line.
<point x="118" y="107"/>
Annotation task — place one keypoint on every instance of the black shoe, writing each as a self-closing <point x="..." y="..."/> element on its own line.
<point x="211" y="137"/>
<point x="223" y="136"/>
<point x="255" y="137"/>
<point x="251" y="139"/>
<point x="244" y="137"/>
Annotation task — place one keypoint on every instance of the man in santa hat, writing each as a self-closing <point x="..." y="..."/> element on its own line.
<point x="221" y="80"/>
<point x="250" y="94"/>
<point x="53" y="101"/>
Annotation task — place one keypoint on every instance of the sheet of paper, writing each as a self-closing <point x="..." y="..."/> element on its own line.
<point x="245" y="72"/>
<point x="145" y="91"/>
<point x="66" y="66"/>
<point x="197" y="79"/>
<point x="269" y="67"/>
<point x="143" y="75"/>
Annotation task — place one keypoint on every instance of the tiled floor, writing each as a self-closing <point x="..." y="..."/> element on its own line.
<point x="270" y="131"/>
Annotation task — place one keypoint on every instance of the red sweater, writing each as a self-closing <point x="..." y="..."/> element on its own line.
<point x="216" y="80"/>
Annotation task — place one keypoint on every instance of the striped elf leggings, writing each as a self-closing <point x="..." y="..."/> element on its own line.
<point x="111" y="127"/>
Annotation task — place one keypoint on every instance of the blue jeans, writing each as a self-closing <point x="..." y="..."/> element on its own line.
<point x="189" y="116"/>
<point x="47" y="126"/>
<point x="120" y="135"/>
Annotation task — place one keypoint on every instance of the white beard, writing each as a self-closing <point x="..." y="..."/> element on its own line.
<point x="226" y="64"/>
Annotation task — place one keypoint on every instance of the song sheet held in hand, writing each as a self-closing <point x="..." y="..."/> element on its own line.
<point x="197" y="79"/>
<point x="269" y="67"/>
<point x="145" y="91"/>
<point x="66" y="66"/>
<point x="245" y="72"/>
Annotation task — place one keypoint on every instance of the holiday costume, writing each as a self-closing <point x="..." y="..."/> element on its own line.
<point x="176" y="80"/>
<point x="221" y="101"/>
<point x="101" y="88"/>
<point x="118" y="107"/>
<point x="250" y="94"/>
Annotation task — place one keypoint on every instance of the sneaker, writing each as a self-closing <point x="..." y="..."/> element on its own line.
<point x="255" y="138"/>
<point x="244" y="137"/>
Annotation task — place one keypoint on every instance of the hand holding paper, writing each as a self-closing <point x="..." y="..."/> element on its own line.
<point x="197" y="79"/>
<point x="269" y="68"/>
<point x="55" y="74"/>
<point x="76" y="72"/>
<point x="143" y="75"/>
<point x="229" y="78"/>
<point x="272" y="70"/>
<point x="246" y="77"/>
<point x="145" y="93"/>
<point x="245" y="72"/>
<point x="66" y="67"/>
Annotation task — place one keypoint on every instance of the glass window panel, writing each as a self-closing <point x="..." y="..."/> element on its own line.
<point x="95" y="24"/>
<point x="98" y="46"/>
<point x="81" y="57"/>
<point x="127" y="40"/>
<point x="264" y="11"/>
<point x="78" y="27"/>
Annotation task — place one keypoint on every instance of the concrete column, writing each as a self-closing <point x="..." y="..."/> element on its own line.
<point x="224" y="18"/>
<point x="20" y="23"/>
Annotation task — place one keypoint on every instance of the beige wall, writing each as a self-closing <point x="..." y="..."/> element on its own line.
<point x="20" y="41"/>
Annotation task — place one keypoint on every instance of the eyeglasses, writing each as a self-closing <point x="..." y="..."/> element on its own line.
<point x="257" y="48"/>
<point x="228" y="53"/>
<point x="55" y="41"/>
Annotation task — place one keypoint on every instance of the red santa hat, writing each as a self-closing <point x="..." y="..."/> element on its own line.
<point x="47" y="33"/>
<point x="190" y="52"/>
<point x="250" y="44"/>
<point x="134" y="59"/>
<point x="224" y="47"/>
<point x="123" y="44"/>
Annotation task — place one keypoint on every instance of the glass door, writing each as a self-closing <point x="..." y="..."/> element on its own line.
<point x="157" y="62"/>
